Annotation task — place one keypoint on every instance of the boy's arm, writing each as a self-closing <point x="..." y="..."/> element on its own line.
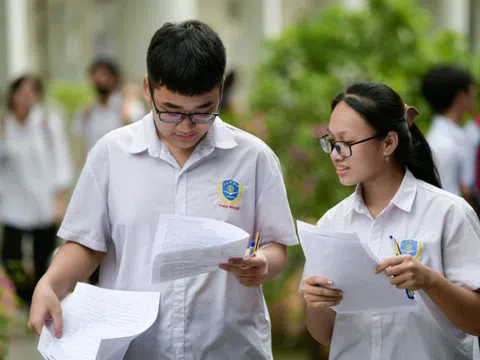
<point x="276" y="259"/>
<point x="73" y="263"/>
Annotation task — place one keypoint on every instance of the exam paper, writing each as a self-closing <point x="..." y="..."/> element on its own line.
<point x="99" y="324"/>
<point x="187" y="245"/>
<point x="342" y="258"/>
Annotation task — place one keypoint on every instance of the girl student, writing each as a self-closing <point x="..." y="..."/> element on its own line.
<point x="35" y="175"/>
<point x="374" y="144"/>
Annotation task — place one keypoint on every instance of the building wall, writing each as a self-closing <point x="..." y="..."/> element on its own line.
<point x="67" y="40"/>
<point x="64" y="35"/>
<point x="3" y="45"/>
<point x="137" y="21"/>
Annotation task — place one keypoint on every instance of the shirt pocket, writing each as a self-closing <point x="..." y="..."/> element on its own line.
<point x="225" y="200"/>
<point x="426" y="248"/>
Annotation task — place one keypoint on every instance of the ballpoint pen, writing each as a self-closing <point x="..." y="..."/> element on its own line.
<point x="251" y="247"/>
<point x="410" y="293"/>
<point x="254" y="244"/>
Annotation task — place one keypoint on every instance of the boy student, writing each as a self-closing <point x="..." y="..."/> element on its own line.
<point x="451" y="93"/>
<point x="179" y="159"/>
<point x="112" y="108"/>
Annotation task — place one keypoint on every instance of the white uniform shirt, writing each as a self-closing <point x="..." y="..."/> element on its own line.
<point x="451" y="151"/>
<point x="446" y="237"/>
<point x="472" y="135"/>
<point x="129" y="179"/>
<point x="37" y="164"/>
<point x="94" y="123"/>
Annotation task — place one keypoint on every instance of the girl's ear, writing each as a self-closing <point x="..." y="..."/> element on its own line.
<point x="390" y="143"/>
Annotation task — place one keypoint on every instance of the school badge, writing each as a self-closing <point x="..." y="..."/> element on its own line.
<point x="230" y="193"/>
<point x="411" y="247"/>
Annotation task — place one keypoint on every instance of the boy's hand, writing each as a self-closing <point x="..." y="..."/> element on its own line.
<point x="45" y="308"/>
<point x="251" y="270"/>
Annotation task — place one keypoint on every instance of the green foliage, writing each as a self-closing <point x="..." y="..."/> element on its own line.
<point x="70" y="96"/>
<point x="389" y="41"/>
<point x="8" y="308"/>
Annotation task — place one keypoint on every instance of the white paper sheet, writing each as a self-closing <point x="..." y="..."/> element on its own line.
<point x="187" y="245"/>
<point x="342" y="258"/>
<point x="99" y="324"/>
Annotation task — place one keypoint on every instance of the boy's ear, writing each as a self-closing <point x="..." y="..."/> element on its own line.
<point x="147" y="95"/>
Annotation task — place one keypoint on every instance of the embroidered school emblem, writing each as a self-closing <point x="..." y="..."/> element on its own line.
<point x="230" y="193"/>
<point x="411" y="247"/>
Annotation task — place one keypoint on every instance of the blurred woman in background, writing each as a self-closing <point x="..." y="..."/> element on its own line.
<point x="36" y="172"/>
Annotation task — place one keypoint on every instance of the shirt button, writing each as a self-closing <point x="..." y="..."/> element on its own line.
<point x="178" y="310"/>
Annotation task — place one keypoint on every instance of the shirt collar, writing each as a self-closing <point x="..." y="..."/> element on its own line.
<point x="405" y="195"/>
<point x="145" y="138"/>
<point x="220" y="136"/>
<point x="403" y="198"/>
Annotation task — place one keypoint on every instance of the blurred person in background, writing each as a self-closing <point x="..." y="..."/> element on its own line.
<point x="451" y="93"/>
<point x="36" y="173"/>
<point x="472" y="136"/>
<point x="113" y="107"/>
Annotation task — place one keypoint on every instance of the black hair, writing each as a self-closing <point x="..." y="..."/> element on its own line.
<point x="228" y="89"/>
<point x="187" y="57"/>
<point x="442" y="83"/>
<point x="18" y="82"/>
<point x="108" y="64"/>
<point x="384" y="111"/>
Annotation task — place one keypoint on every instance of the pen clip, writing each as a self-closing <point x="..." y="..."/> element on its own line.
<point x="257" y="241"/>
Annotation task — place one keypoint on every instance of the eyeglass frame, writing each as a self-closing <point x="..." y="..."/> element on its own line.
<point x="184" y="116"/>
<point x="348" y="143"/>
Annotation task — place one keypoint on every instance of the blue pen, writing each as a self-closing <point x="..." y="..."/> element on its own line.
<point x="251" y="248"/>
<point x="398" y="251"/>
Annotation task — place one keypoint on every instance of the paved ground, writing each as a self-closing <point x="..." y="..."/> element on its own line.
<point x="23" y="348"/>
<point x="23" y="345"/>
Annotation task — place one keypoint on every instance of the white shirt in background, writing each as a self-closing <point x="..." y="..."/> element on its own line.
<point x="130" y="178"/>
<point x="451" y="153"/>
<point x="37" y="164"/>
<point x="446" y="237"/>
<point x="99" y="120"/>
<point x="472" y="135"/>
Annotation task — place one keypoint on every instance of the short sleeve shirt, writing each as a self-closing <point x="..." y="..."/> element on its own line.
<point x="451" y="153"/>
<point x="94" y="123"/>
<point x="130" y="178"/>
<point x="438" y="229"/>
